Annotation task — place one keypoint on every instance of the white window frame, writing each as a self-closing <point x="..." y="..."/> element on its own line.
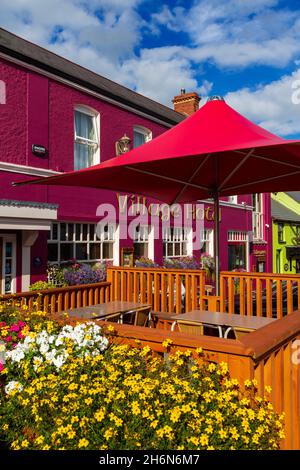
<point x="258" y="217"/>
<point x="82" y="140"/>
<point x="173" y="236"/>
<point x="90" y="240"/>
<point x="142" y="237"/>
<point x="236" y="236"/>
<point x="144" y="131"/>
<point x="9" y="239"/>
<point x="207" y="237"/>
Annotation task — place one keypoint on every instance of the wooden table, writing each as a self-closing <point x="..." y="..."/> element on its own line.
<point x="109" y="310"/>
<point x="239" y="323"/>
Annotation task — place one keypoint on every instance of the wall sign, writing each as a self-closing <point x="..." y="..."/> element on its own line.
<point x="141" y="204"/>
<point x="39" y="150"/>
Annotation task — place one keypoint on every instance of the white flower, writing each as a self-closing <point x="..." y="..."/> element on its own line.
<point x="13" y="385"/>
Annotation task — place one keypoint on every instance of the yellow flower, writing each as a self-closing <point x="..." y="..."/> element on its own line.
<point x="99" y="415"/>
<point x="204" y="440"/>
<point x="24" y="444"/>
<point x="83" y="443"/>
<point x="167" y="342"/>
<point x="111" y="328"/>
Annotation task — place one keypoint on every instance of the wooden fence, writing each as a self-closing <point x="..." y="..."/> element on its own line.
<point x="261" y="294"/>
<point x="271" y="355"/>
<point x="62" y="298"/>
<point x="166" y="290"/>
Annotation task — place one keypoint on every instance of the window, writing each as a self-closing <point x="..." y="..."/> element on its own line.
<point x="175" y="241"/>
<point x="141" y="241"/>
<point x="237" y="256"/>
<point x="258" y="217"/>
<point x="141" y="135"/>
<point x="238" y="249"/>
<point x="278" y="261"/>
<point x="207" y="241"/>
<point x="280" y="233"/>
<point x="86" y="145"/>
<point x="81" y="242"/>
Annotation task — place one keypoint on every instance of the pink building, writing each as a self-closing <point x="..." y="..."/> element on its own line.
<point x="56" y="116"/>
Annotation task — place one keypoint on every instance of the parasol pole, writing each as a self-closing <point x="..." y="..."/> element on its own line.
<point x="217" y="240"/>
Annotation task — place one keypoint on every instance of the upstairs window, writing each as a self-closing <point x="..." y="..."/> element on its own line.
<point x="258" y="217"/>
<point x="86" y="145"/>
<point x="141" y="135"/>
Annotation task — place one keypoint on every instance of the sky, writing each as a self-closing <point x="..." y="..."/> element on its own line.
<point x="248" y="51"/>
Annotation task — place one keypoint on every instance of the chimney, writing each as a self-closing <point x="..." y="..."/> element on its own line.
<point x="186" y="103"/>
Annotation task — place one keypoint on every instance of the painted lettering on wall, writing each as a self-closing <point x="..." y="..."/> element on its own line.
<point x="135" y="205"/>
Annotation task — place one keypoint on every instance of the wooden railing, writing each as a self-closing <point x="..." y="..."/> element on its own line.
<point x="166" y="290"/>
<point x="62" y="298"/>
<point x="271" y="355"/>
<point x="261" y="294"/>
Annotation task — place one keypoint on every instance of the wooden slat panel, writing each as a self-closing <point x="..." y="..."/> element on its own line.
<point x="249" y="304"/>
<point x="188" y="294"/>
<point x="288" y="396"/>
<point x="289" y="294"/>
<point x="258" y="297"/>
<point x="164" y="295"/>
<point x="242" y="296"/>
<point x="178" y="293"/>
<point x="279" y="298"/>
<point x="231" y="295"/>
<point x="156" y="293"/>
<point x="269" y="306"/>
<point x="171" y="293"/>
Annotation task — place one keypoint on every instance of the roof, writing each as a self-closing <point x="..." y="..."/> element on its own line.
<point x="280" y="212"/>
<point x="37" y="56"/>
<point x="38" y="205"/>
<point x="294" y="195"/>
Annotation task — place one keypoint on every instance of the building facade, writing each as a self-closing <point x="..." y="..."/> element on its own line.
<point x="286" y="232"/>
<point x="57" y="117"/>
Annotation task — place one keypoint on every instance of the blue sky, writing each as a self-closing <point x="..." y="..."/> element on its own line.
<point x="246" y="50"/>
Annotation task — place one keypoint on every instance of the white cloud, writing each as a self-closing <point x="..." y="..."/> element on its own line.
<point x="161" y="73"/>
<point x="239" y="33"/>
<point x="271" y="105"/>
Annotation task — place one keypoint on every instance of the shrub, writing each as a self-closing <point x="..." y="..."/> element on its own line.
<point x="124" y="398"/>
<point x="41" y="285"/>
<point x="84" y="274"/>
<point x="184" y="262"/>
<point x="56" y="275"/>
<point x="145" y="262"/>
<point x="208" y="264"/>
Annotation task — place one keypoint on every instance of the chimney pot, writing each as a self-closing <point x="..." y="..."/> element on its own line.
<point x="186" y="103"/>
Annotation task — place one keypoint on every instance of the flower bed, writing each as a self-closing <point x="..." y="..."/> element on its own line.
<point x="69" y="387"/>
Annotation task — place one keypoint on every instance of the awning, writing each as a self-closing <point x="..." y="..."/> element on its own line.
<point x="26" y="215"/>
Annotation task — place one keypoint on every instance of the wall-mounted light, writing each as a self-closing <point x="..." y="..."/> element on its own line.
<point x="123" y="145"/>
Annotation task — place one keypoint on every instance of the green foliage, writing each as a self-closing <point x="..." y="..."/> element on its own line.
<point x="41" y="285"/>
